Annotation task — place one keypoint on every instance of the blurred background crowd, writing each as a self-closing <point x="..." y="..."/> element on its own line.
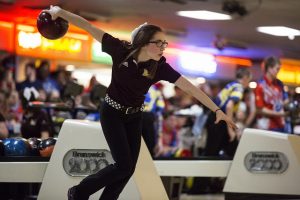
<point x="173" y="126"/>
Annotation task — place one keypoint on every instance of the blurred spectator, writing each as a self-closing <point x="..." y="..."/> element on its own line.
<point x="42" y="95"/>
<point x="15" y="105"/>
<point x="15" y="114"/>
<point x="168" y="140"/>
<point x="86" y="101"/>
<point x="176" y="102"/>
<point x="215" y="89"/>
<point x="7" y="83"/>
<point x="31" y="79"/>
<point x="7" y="67"/>
<point x="3" y="128"/>
<point x="97" y="92"/>
<point x="54" y="96"/>
<point x="62" y="77"/>
<point x="93" y="82"/>
<point x="220" y="137"/>
<point x="199" y="129"/>
<point x="176" y="99"/>
<point x="240" y="118"/>
<point x="220" y="140"/>
<point x="3" y="103"/>
<point x="249" y="99"/>
<point x="270" y="97"/>
<point x="186" y="139"/>
<point x="43" y="75"/>
<point x="35" y="122"/>
<point x="152" y="117"/>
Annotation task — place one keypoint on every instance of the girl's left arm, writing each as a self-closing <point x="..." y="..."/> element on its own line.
<point x="191" y="89"/>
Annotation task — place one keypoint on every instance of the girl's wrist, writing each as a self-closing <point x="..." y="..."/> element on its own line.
<point x="217" y="110"/>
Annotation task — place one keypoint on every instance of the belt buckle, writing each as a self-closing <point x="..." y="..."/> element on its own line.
<point x="127" y="110"/>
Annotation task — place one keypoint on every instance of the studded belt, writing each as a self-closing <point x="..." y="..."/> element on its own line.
<point x="124" y="109"/>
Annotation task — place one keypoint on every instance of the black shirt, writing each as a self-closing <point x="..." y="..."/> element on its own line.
<point x="128" y="87"/>
<point x="27" y="84"/>
<point x="34" y="123"/>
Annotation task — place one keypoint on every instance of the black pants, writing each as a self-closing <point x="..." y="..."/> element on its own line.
<point x="123" y="135"/>
<point x="218" y="139"/>
<point x="149" y="131"/>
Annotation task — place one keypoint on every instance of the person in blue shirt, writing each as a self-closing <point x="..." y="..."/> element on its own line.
<point x="219" y="136"/>
<point x="43" y="75"/>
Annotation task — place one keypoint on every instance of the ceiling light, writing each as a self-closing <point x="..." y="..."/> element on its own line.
<point x="204" y="15"/>
<point x="194" y="62"/>
<point x="279" y="31"/>
<point x="70" y="68"/>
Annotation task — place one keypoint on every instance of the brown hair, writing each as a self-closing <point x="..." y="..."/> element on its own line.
<point x="142" y="38"/>
<point x="270" y="62"/>
<point x="242" y="72"/>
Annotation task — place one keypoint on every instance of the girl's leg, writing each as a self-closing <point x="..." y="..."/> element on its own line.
<point x="116" y="136"/>
<point x="133" y="128"/>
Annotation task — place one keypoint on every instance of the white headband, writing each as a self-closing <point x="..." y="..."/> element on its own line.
<point x="136" y="30"/>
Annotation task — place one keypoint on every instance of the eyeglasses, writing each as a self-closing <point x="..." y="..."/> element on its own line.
<point x="160" y="44"/>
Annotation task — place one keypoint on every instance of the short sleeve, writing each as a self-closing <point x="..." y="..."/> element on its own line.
<point x="237" y="94"/>
<point x="167" y="73"/>
<point x="111" y="45"/>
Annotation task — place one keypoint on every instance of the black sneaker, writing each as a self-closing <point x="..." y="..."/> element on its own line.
<point x="71" y="193"/>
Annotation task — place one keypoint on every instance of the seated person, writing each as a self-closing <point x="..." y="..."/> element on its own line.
<point x="3" y="128"/>
<point x="168" y="141"/>
<point x="35" y="122"/>
<point x="31" y="80"/>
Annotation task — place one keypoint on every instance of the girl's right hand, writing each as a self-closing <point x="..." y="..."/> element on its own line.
<point x="53" y="11"/>
<point x="220" y="115"/>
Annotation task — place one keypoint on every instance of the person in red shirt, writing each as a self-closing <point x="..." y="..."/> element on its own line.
<point x="270" y="98"/>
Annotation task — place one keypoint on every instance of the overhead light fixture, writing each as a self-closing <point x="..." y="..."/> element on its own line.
<point x="279" y="31"/>
<point x="194" y="62"/>
<point x="204" y="15"/>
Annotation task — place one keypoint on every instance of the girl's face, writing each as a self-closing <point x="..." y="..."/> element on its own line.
<point x="156" y="46"/>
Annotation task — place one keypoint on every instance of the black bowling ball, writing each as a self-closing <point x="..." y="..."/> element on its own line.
<point x="51" y="29"/>
<point x="46" y="147"/>
<point x="34" y="146"/>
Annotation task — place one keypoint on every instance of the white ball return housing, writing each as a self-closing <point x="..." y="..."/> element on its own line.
<point x="266" y="165"/>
